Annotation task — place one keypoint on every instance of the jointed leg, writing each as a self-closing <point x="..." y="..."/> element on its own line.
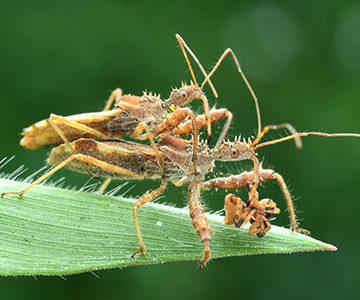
<point x="62" y="120"/>
<point x="144" y="199"/>
<point x="254" y="183"/>
<point x="174" y="120"/>
<point x="115" y="95"/>
<point x="226" y="52"/>
<point x="103" y="186"/>
<point x="83" y="158"/>
<point x="182" y="46"/>
<point x="75" y="125"/>
<point x="237" y="214"/>
<point x="53" y="119"/>
<point x="294" y="135"/>
<point x="214" y="115"/>
<point x="142" y="126"/>
<point x="244" y="179"/>
<point x="180" y="182"/>
<point x="199" y="221"/>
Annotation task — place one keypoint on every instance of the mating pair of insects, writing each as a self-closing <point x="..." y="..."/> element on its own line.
<point x="91" y="143"/>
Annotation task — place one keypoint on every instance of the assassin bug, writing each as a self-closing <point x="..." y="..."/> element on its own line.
<point x="125" y="160"/>
<point x="131" y="113"/>
<point x="238" y="213"/>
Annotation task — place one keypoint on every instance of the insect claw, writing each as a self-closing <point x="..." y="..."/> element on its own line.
<point x="304" y="231"/>
<point x="141" y="251"/>
<point x="11" y="193"/>
<point x="239" y="224"/>
<point x="209" y="139"/>
<point x="260" y="234"/>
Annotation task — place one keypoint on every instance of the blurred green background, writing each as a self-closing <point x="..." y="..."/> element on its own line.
<point x="303" y="61"/>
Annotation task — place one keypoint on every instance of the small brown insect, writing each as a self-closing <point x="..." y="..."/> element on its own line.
<point x="245" y="179"/>
<point x="259" y="215"/>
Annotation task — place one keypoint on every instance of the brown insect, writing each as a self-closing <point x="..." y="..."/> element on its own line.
<point x="259" y="215"/>
<point x="123" y="160"/>
<point x="131" y="114"/>
<point x="246" y="179"/>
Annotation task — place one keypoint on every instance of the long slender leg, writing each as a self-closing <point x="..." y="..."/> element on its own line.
<point x="238" y="181"/>
<point x="206" y="112"/>
<point x="215" y="115"/>
<point x="115" y="95"/>
<point x="294" y="135"/>
<point x="199" y="221"/>
<point x="182" y="46"/>
<point x="180" y="182"/>
<point x="255" y="182"/>
<point x="103" y="186"/>
<point x="139" y="128"/>
<point x="174" y="120"/>
<point x="226" y="52"/>
<point x="84" y="158"/>
<point x="76" y="125"/>
<point x="144" y="199"/>
<point x="62" y="120"/>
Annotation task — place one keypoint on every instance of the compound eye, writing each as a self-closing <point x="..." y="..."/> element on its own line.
<point x="183" y="95"/>
<point x="234" y="153"/>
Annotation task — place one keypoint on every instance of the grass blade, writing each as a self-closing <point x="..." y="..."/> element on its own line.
<point x="53" y="231"/>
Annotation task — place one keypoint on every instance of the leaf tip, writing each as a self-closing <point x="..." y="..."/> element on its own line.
<point x="329" y="247"/>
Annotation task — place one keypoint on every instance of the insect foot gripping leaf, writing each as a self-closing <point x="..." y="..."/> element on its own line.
<point x="55" y="231"/>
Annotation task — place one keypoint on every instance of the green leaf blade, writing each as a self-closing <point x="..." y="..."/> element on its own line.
<point x="54" y="231"/>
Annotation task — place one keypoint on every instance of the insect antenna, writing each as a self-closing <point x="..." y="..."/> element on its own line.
<point x="183" y="45"/>
<point x="297" y="135"/>
<point x="226" y="52"/>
